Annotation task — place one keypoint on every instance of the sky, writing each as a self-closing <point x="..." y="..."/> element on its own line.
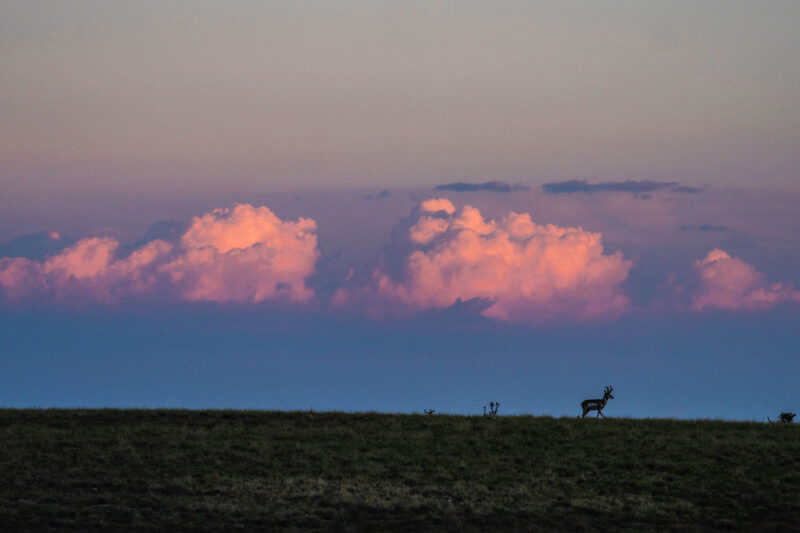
<point x="401" y="206"/>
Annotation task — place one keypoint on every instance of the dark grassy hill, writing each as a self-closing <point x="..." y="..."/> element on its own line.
<point x="181" y="470"/>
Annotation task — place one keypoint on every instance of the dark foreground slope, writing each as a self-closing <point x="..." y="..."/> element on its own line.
<point x="129" y="470"/>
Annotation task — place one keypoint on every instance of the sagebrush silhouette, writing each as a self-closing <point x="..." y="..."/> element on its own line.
<point x="493" y="407"/>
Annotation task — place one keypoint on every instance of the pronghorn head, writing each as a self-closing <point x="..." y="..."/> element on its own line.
<point x="607" y="395"/>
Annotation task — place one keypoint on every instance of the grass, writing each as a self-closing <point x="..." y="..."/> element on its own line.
<point x="209" y="470"/>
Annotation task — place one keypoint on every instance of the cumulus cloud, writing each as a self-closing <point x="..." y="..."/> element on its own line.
<point x="732" y="284"/>
<point x="90" y="268"/>
<point x="524" y="271"/>
<point x="237" y="254"/>
<point x="488" y="186"/>
<point x="244" y="254"/>
<point x="632" y="186"/>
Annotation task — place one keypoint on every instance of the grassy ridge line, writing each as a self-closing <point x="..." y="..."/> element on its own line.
<point x="182" y="469"/>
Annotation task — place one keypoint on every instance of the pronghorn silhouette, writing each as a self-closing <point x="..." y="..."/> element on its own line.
<point x="597" y="404"/>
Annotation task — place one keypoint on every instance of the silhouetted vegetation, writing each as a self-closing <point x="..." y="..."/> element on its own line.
<point x="210" y="470"/>
<point x="492" y="412"/>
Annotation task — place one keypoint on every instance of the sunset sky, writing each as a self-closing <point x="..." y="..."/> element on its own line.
<point x="401" y="206"/>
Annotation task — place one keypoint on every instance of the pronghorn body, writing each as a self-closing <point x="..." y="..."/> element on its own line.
<point x="597" y="404"/>
<point x="785" y="418"/>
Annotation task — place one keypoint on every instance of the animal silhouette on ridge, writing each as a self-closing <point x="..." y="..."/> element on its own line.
<point x="597" y="404"/>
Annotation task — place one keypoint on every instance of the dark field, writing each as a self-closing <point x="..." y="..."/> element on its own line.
<point x="209" y="470"/>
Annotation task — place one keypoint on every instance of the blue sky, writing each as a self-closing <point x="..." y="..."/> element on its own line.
<point x="712" y="367"/>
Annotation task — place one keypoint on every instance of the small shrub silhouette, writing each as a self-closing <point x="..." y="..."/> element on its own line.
<point x="430" y="412"/>
<point x="787" y="418"/>
<point x="493" y="407"/>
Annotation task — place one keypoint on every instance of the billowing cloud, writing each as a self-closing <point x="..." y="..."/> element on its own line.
<point x="91" y="268"/>
<point x="238" y="254"/>
<point x="434" y="205"/>
<point x="730" y="283"/>
<point x="632" y="186"/>
<point x="488" y="186"/>
<point x="524" y="271"/>
<point x="244" y="254"/>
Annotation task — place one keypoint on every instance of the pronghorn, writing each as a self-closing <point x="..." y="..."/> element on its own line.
<point x="785" y="418"/>
<point x="597" y="404"/>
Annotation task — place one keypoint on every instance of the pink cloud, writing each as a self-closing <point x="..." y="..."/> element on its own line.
<point x="434" y="205"/>
<point x="20" y="277"/>
<point x="90" y="268"/>
<point x="244" y="254"/>
<point x="730" y="283"/>
<point x="238" y="254"/>
<point x="526" y="271"/>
